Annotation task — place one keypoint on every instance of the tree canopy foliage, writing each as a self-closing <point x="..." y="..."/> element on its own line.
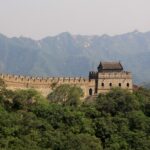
<point x="118" y="120"/>
<point x="66" y="94"/>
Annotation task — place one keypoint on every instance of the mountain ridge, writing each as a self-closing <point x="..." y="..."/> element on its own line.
<point x="75" y="55"/>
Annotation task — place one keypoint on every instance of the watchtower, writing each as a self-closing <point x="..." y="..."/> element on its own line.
<point x="111" y="75"/>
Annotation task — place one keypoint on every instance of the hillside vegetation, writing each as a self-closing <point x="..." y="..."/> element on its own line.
<point x="116" y="121"/>
<point x="75" y="55"/>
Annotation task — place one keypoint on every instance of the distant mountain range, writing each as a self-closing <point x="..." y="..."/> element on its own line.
<point x="75" y="55"/>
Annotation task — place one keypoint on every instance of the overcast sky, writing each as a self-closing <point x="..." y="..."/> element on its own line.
<point x="40" y="18"/>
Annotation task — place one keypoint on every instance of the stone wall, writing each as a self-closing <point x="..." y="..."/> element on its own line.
<point x="98" y="82"/>
<point x="44" y="85"/>
<point x="109" y="80"/>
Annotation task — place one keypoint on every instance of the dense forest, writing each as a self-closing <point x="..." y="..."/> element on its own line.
<point x="118" y="120"/>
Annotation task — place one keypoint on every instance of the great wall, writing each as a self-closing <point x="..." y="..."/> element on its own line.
<point x="109" y="75"/>
<point x="43" y="84"/>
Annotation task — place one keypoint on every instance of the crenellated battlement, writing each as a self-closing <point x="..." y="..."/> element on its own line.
<point x="115" y="75"/>
<point x="34" y="79"/>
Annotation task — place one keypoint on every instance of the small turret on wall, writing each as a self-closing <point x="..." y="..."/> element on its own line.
<point x="92" y="75"/>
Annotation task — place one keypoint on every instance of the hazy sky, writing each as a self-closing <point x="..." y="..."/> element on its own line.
<point x="39" y="18"/>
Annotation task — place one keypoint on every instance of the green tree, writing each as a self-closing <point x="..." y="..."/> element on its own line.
<point x="66" y="94"/>
<point x="82" y="142"/>
<point x="25" y="98"/>
<point x="117" y="101"/>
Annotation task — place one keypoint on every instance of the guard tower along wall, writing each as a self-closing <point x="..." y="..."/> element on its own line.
<point x="109" y="80"/>
<point x="112" y="75"/>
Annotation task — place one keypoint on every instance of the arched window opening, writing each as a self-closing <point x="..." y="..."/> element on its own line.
<point x="102" y="84"/>
<point x="119" y="84"/>
<point x="90" y="92"/>
<point x="110" y="84"/>
<point x="128" y="84"/>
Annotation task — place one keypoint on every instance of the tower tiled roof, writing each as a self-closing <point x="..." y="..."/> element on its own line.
<point x="110" y="66"/>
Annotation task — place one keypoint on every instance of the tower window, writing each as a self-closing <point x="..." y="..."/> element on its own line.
<point x="119" y="84"/>
<point x="102" y="84"/>
<point x="128" y="84"/>
<point x="110" y="84"/>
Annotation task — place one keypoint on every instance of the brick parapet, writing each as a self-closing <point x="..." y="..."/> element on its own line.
<point x="115" y="75"/>
<point x="42" y="80"/>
